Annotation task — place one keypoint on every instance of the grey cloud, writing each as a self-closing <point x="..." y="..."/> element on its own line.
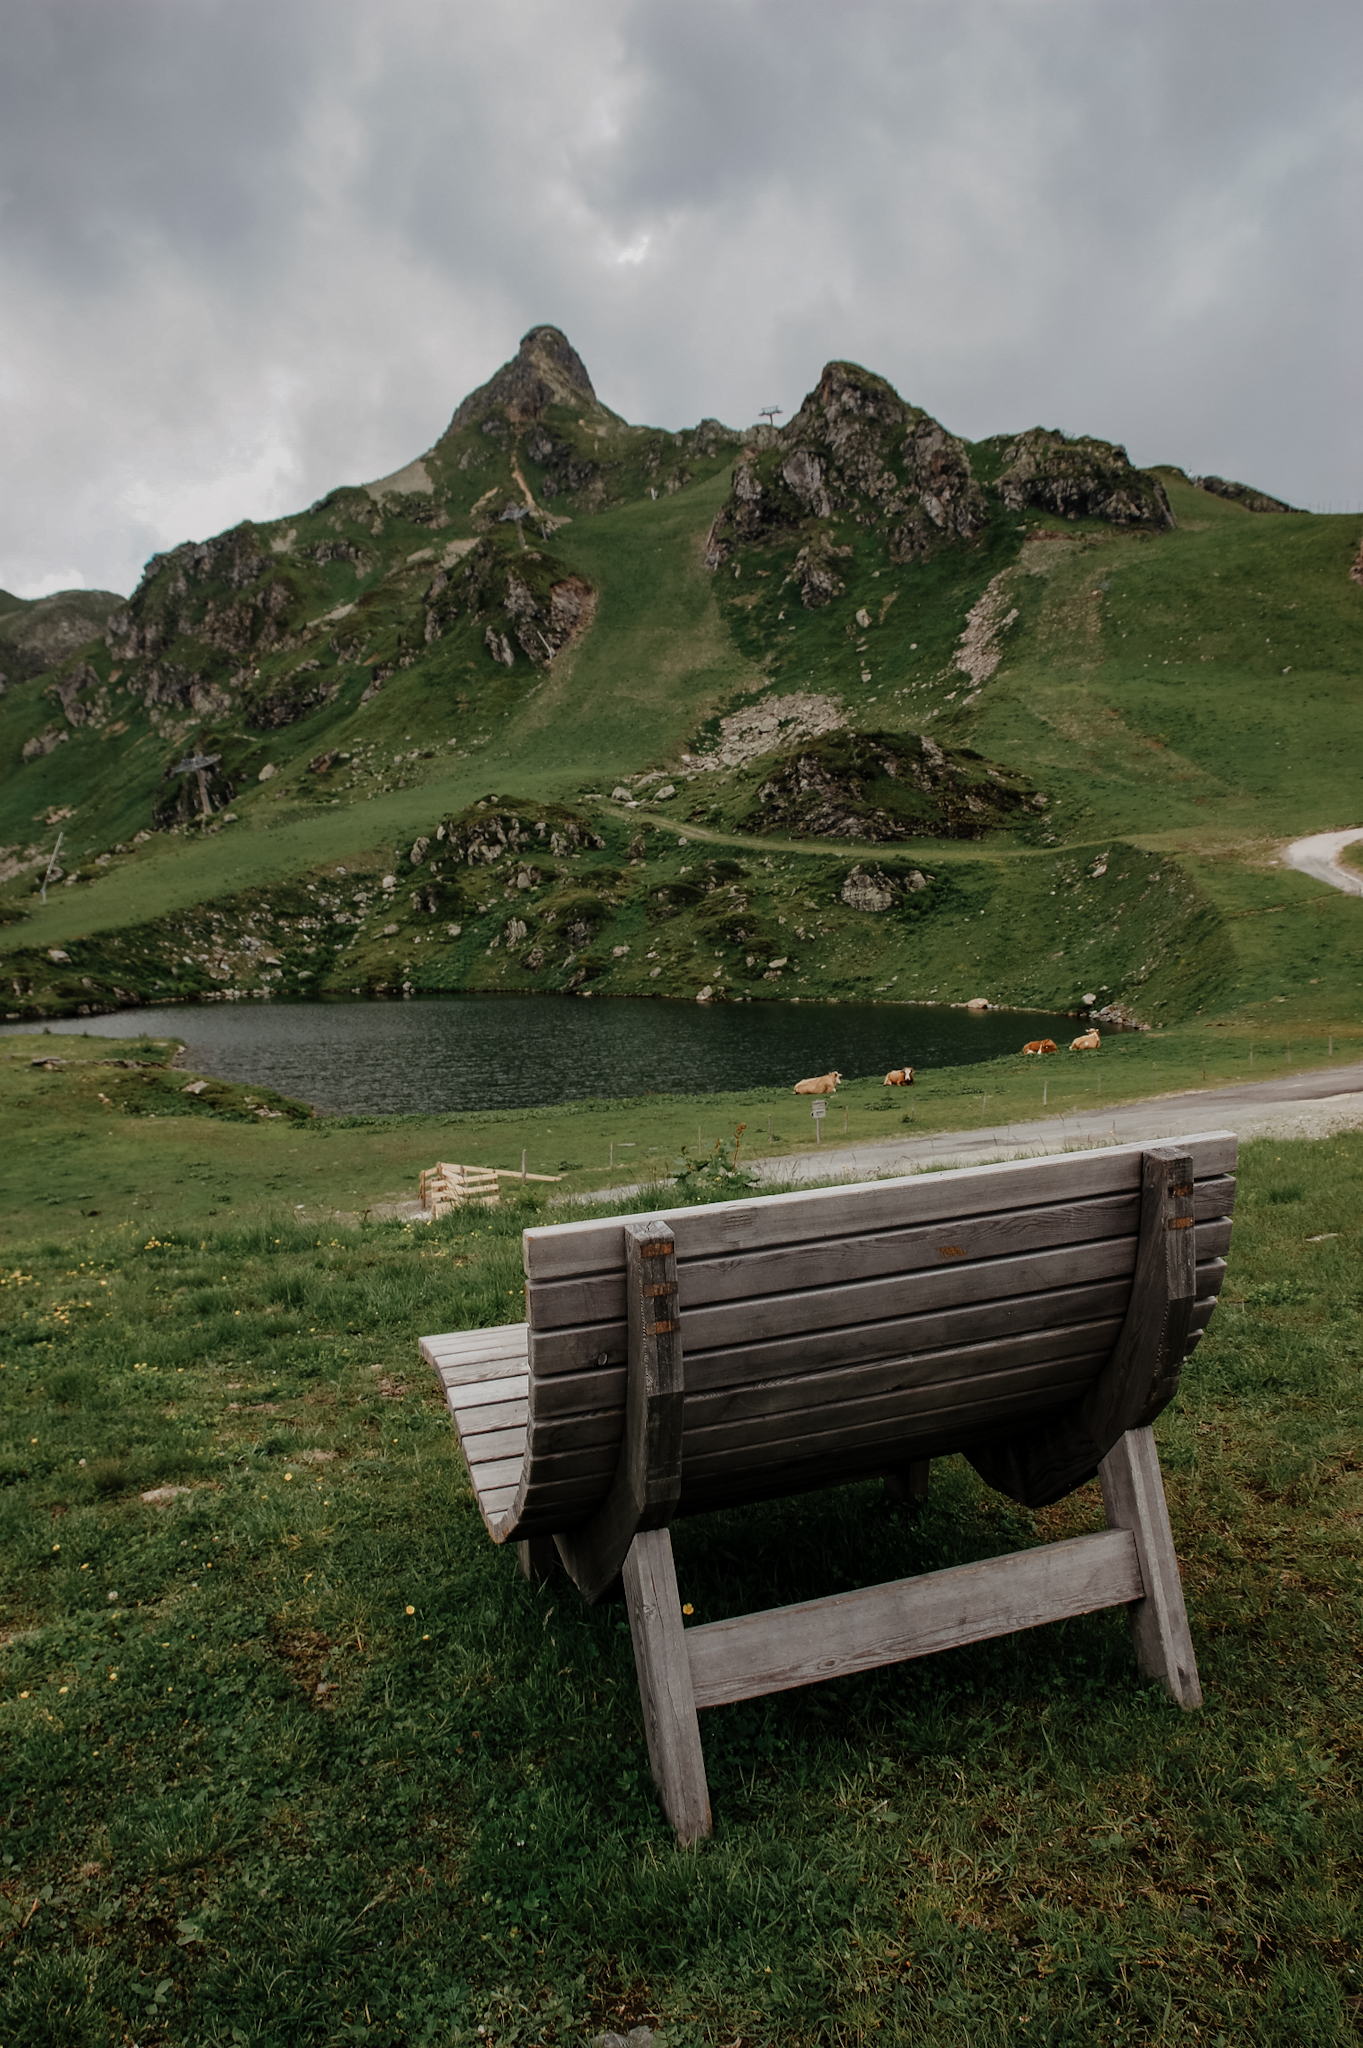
<point x="249" y="251"/>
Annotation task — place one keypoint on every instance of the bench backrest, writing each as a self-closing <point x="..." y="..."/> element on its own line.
<point x="840" y="1332"/>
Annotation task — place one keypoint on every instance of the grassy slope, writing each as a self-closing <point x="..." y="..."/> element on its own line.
<point x="1141" y="684"/>
<point x="1150" y="673"/>
<point x="298" y="1757"/>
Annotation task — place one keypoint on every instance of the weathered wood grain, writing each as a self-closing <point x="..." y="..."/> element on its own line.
<point x="1133" y="1496"/>
<point x="490" y="1473"/>
<point x="1040" y="1285"/>
<point x="599" y="1297"/>
<point x="787" y="1647"/>
<point x="660" y="1657"/>
<point x="580" y="1481"/>
<point x="1142" y="1375"/>
<point x="892" y="1421"/>
<point x="1042" y="1463"/>
<point x="968" y="1370"/>
<point x="812" y="1214"/>
<point x="537" y="1559"/>
<point x="741" y="1277"/>
<point x="493" y="1413"/>
<point x="456" y="1351"/>
<point x="647" y="1478"/>
<point x="489" y="1446"/>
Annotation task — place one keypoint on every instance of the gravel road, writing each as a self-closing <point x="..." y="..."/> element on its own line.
<point x="1315" y="1104"/>
<point x="1319" y="856"/>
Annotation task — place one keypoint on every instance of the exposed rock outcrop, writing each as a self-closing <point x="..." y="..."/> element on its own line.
<point x="482" y="836"/>
<point x="854" y="451"/>
<point x="44" y="743"/>
<point x="1242" y="494"/>
<point x="36" y="633"/>
<point x="533" y="604"/>
<point x="883" y="787"/>
<point x="761" y="728"/>
<point x="300" y="693"/>
<point x="546" y="370"/>
<point x="1080" y="478"/>
<point x="868" y="889"/>
<point x="68" y="691"/>
<point x="186" y="594"/>
<point x="978" y="652"/>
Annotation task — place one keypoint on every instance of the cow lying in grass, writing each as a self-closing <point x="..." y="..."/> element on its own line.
<point x="899" y="1077"/>
<point x="1087" y="1041"/>
<point x="822" y="1084"/>
<point x="1041" y="1045"/>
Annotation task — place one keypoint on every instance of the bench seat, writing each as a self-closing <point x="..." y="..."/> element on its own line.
<point x="486" y="1380"/>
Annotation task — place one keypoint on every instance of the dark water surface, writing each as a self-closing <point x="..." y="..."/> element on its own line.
<point x="446" y="1053"/>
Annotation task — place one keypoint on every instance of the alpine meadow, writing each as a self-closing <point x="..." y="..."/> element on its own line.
<point x="845" y="710"/>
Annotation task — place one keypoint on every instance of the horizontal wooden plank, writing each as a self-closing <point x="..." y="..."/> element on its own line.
<point x="741" y="1363"/>
<point x="453" y="1347"/>
<point x="772" y="1403"/>
<point x="503" y="1386"/>
<point x="942" y="1415"/>
<point x="796" y="1430"/>
<point x="973" y="1372"/>
<point x="742" y="1278"/>
<point x="492" y="1444"/>
<point x="495" y="1472"/>
<point x="557" y="1251"/>
<point x="774" y="1318"/>
<point x="557" y="1353"/>
<point x="580" y="1480"/>
<point x="493" y="1414"/>
<point x="455" y="1344"/>
<point x="788" y="1647"/>
<point x="892" y="1428"/>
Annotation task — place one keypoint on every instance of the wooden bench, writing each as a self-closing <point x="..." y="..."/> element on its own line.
<point x="1034" y="1316"/>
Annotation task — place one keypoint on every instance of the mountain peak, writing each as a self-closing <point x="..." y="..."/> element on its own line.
<point x="545" y="370"/>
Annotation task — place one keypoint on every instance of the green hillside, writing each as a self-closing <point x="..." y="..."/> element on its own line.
<point x="848" y="707"/>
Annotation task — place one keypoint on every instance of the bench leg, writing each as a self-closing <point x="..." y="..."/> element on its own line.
<point x="537" y="1558"/>
<point x="664" y="1669"/>
<point x="1133" y="1495"/>
<point x="910" y="1485"/>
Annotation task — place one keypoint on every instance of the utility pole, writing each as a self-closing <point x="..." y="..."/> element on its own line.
<point x="51" y="866"/>
<point x="769" y="412"/>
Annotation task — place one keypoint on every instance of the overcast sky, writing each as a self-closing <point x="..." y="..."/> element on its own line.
<point x="251" y="249"/>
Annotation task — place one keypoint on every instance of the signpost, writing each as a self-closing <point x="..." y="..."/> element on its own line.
<point x="819" y="1111"/>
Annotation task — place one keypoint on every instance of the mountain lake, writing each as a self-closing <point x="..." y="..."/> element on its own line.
<point x="443" y="1054"/>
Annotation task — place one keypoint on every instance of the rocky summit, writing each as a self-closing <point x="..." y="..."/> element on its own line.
<point x="849" y="706"/>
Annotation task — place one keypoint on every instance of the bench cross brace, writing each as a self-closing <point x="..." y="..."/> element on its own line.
<point x="1131" y="1563"/>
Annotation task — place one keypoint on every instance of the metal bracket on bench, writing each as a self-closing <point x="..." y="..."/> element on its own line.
<point x="647" y="1482"/>
<point x="1142" y="1372"/>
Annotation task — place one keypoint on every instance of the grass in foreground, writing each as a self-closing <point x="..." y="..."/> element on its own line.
<point x="293" y="1755"/>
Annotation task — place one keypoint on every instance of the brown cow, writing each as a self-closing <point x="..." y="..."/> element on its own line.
<point x="1041" y="1045"/>
<point x="1087" y="1041"/>
<point x="822" y="1084"/>
<point x="899" y="1077"/>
